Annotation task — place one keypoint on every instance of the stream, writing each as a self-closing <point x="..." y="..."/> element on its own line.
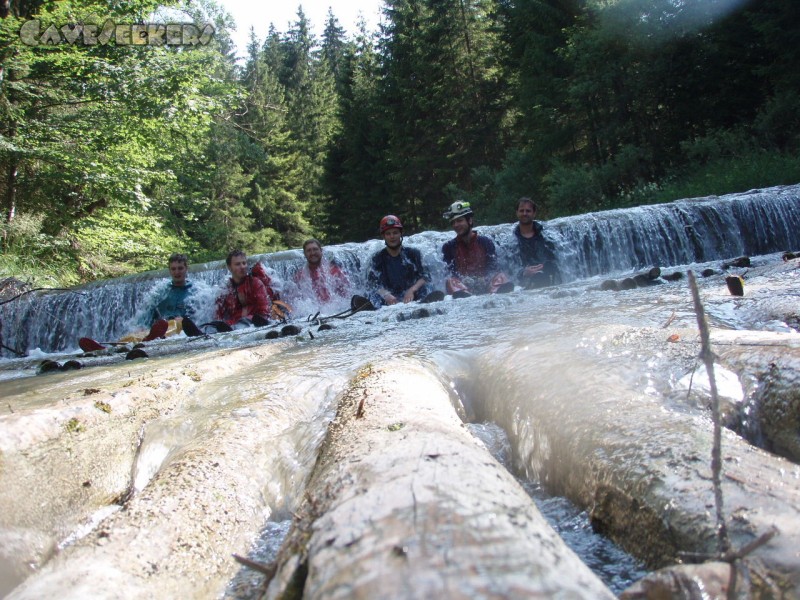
<point x="159" y="469"/>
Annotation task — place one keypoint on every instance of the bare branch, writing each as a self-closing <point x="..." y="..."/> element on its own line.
<point x="707" y="356"/>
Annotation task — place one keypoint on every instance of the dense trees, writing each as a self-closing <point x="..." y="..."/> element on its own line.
<point x="112" y="155"/>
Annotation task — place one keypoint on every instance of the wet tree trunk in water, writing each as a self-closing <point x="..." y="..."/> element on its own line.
<point x="405" y="503"/>
<point x="642" y="470"/>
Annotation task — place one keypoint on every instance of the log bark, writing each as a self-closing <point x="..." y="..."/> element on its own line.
<point x="405" y="503"/>
<point x="775" y="366"/>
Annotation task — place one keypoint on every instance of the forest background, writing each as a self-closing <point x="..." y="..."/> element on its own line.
<point x="113" y="156"/>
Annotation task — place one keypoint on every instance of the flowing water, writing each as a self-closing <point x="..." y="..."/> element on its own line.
<point x="256" y="410"/>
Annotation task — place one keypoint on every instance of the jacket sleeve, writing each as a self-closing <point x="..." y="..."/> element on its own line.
<point x="149" y="312"/>
<point x="491" y="254"/>
<point x="189" y="303"/>
<point x="339" y="280"/>
<point x="375" y="276"/>
<point x="259" y="298"/>
<point x="448" y="254"/>
<point x="420" y="268"/>
<point x="221" y="303"/>
<point x="551" y="264"/>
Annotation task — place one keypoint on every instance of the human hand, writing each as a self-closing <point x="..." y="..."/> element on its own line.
<point x="533" y="269"/>
<point x="408" y="296"/>
<point x="389" y="299"/>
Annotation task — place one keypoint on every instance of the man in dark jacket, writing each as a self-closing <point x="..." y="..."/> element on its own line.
<point x="538" y="259"/>
<point x="396" y="274"/>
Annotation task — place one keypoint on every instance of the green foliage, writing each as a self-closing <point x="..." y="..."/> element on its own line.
<point x="573" y="190"/>
<point x="722" y="175"/>
<point x="356" y="179"/>
<point x="778" y="121"/>
<point x="116" y="242"/>
<point x="30" y="254"/>
<point x="87" y="125"/>
<point x="115" y="156"/>
<point x="444" y="101"/>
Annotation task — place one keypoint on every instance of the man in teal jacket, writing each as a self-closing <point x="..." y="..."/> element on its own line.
<point x="174" y="302"/>
<point x="172" y="305"/>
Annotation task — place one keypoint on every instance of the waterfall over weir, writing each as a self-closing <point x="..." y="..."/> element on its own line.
<point x="616" y="241"/>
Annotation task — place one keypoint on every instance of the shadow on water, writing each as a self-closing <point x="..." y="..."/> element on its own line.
<point x="615" y="567"/>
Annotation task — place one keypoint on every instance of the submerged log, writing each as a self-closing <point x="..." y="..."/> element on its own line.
<point x="707" y="581"/>
<point x="75" y="461"/>
<point x="776" y="369"/>
<point x="405" y="503"/>
<point x="642" y="468"/>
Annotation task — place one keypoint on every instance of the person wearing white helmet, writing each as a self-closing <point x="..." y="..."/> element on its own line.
<point x="471" y="258"/>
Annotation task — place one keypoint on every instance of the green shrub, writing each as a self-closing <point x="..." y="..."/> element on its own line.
<point x="112" y="243"/>
<point x="723" y="175"/>
<point x="30" y="255"/>
<point x="573" y="190"/>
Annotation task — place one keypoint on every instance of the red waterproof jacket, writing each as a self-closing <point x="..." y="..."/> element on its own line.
<point x="476" y="258"/>
<point x="327" y="278"/>
<point x="243" y="300"/>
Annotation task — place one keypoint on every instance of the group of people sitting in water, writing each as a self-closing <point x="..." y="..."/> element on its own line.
<point x="396" y="274"/>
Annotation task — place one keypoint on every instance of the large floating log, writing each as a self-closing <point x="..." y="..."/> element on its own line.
<point x="405" y="503"/>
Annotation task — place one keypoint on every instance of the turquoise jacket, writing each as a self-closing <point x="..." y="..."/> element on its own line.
<point x="174" y="303"/>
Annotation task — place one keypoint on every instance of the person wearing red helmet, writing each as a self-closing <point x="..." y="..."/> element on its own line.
<point x="471" y="258"/>
<point x="396" y="274"/>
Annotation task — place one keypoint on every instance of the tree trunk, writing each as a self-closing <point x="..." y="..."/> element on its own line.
<point x="405" y="503"/>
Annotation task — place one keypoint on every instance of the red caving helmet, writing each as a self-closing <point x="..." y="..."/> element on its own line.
<point x="390" y="222"/>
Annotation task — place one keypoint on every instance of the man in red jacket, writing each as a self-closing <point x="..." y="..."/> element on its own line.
<point x="324" y="277"/>
<point x="471" y="258"/>
<point x="246" y="300"/>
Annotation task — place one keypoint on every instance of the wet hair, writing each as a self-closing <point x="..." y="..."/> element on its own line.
<point x="232" y="254"/>
<point x="312" y="241"/>
<point x="526" y="200"/>
<point x="178" y="258"/>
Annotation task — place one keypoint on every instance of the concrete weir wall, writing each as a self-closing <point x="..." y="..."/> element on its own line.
<point x="405" y="503"/>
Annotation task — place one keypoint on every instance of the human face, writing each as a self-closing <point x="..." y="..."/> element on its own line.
<point x="393" y="238"/>
<point x="238" y="268"/>
<point x="178" y="271"/>
<point x="525" y="213"/>
<point x="461" y="226"/>
<point x="313" y="254"/>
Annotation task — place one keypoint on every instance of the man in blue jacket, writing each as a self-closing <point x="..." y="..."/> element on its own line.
<point x="175" y="301"/>
<point x="173" y="305"/>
